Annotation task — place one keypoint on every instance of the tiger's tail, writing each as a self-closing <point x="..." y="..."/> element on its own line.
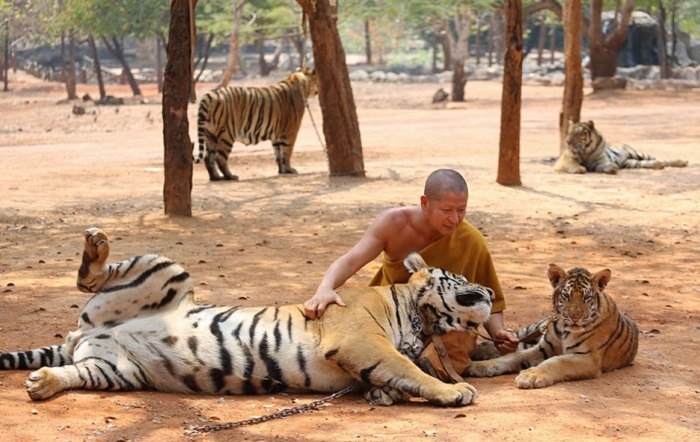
<point x="53" y="356"/>
<point x="202" y="119"/>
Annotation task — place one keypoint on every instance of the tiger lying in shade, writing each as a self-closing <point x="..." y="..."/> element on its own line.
<point x="587" y="150"/>
<point x="142" y="330"/>
<point x="586" y="335"/>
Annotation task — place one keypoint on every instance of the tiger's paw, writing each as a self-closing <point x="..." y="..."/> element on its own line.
<point x="454" y="395"/>
<point x="534" y="378"/>
<point x="96" y="245"/>
<point x="482" y="369"/>
<point x="384" y="395"/>
<point x="43" y="384"/>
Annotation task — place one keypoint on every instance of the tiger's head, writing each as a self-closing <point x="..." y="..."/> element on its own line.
<point x="582" y="140"/>
<point x="307" y="76"/>
<point x="578" y="295"/>
<point x="446" y="301"/>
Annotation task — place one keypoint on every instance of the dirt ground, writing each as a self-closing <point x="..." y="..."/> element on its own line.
<point x="268" y="239"/>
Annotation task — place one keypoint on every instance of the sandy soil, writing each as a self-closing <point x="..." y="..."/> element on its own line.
<point x="268" y="239"/>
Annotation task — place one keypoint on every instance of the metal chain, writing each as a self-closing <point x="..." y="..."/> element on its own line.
<point x="195" y="430"/>
<point x="313" y="122"/>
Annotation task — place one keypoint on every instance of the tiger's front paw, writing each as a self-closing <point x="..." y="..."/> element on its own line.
<point x="96" y="245"/>
<point x="455" y="395"/>
<point x="534" y="378"/>
<point x="43" y="384"/>
<point x="384" y="395"/>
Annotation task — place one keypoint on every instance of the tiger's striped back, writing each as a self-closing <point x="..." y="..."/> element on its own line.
<point x="250" y="115"/>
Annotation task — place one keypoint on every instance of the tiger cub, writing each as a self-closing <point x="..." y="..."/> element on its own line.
<point x="250" y="115"/>
<point x="586" y="335"/>
<point x="142" y="330"/>
<point x="587" y="150"/>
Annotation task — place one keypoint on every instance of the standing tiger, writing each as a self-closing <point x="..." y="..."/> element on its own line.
<point x="142" y="330"/>
<point x="587" y="150"/>
<point x="250" y="115"/>
<point x="586" y="335"/>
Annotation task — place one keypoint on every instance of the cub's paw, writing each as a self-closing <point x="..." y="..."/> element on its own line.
<point x="43" y="384"/>
<point x="384" y="395"/>
<point x="534" y="378"/>
<point x="96" y="245"/>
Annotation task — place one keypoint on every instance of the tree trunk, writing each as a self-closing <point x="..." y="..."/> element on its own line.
<point x="232" y="62"/>
<point x="509" y="145"/>
<point x="340" y="125"/>
<point x="573" y="85"/>
<point x="368" y="43"/>
<point x="177" y="85"/>
<point x="159" y="61"/>
<point x="541" y="39"/>
<point x="70" y="67"/>
<point x="604" y="49"/>
<point x="98" y="67"/>
<point x="664" y="65"/>
<point x="462" y="25"/>
<point x="115" y="48"/>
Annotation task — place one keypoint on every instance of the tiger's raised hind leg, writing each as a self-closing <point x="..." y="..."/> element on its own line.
<point x="93" y="270"/>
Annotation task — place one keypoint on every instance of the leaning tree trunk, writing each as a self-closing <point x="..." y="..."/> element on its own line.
<point x="509" y="145"/>
<point x="98" y="67"/>
<point x="340" y="125"/>
<point x="232" y="62"/>
<point x="177" y="90"/>
<point x="115" y="48"/>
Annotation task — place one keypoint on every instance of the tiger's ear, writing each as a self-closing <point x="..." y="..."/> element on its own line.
<point x="555" y="274"/>
<point x="414" y="262"/>
<point x="602" y="278"/>
<point x="590" y="125"/>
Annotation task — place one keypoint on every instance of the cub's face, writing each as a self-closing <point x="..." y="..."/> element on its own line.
<point x="449" y="302"/>
<point x="577" y="294"/>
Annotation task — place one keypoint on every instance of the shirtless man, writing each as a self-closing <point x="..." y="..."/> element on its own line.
<point x="437" y="230"/>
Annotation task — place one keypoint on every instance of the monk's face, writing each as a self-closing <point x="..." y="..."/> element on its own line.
<point x="445" y="212"/>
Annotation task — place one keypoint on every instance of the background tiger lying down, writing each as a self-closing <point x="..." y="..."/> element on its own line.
<point x="587" y="150"/>
<point x="143" y="330"/>
<point x="586" y="335"/>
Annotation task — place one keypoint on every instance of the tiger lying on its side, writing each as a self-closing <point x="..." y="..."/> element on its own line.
<point x="142" y="330"/>
<point x="586" y="336"/>
<point x="250" y="115"/>
<point x="587" y="150"/>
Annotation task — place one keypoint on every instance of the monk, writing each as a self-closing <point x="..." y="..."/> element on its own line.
<point x="438" y="231"/>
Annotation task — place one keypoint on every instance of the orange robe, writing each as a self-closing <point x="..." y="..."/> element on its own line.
<point x="464" y="252"/>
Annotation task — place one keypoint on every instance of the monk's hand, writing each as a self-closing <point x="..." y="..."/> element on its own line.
<point x="316" y="306"/>
<point x="506" y="341"/>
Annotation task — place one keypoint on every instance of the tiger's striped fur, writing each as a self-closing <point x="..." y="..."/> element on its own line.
<point x="142" y="330"/>
<point x="586" y="336"/>
<point x="250" y="115"/>
<point x="587" y="150"/>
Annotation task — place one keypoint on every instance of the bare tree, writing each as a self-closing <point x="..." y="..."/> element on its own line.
<point x="509" y="146"/>
<point x="177" y="90"/>
<point x="340" y="125"/>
